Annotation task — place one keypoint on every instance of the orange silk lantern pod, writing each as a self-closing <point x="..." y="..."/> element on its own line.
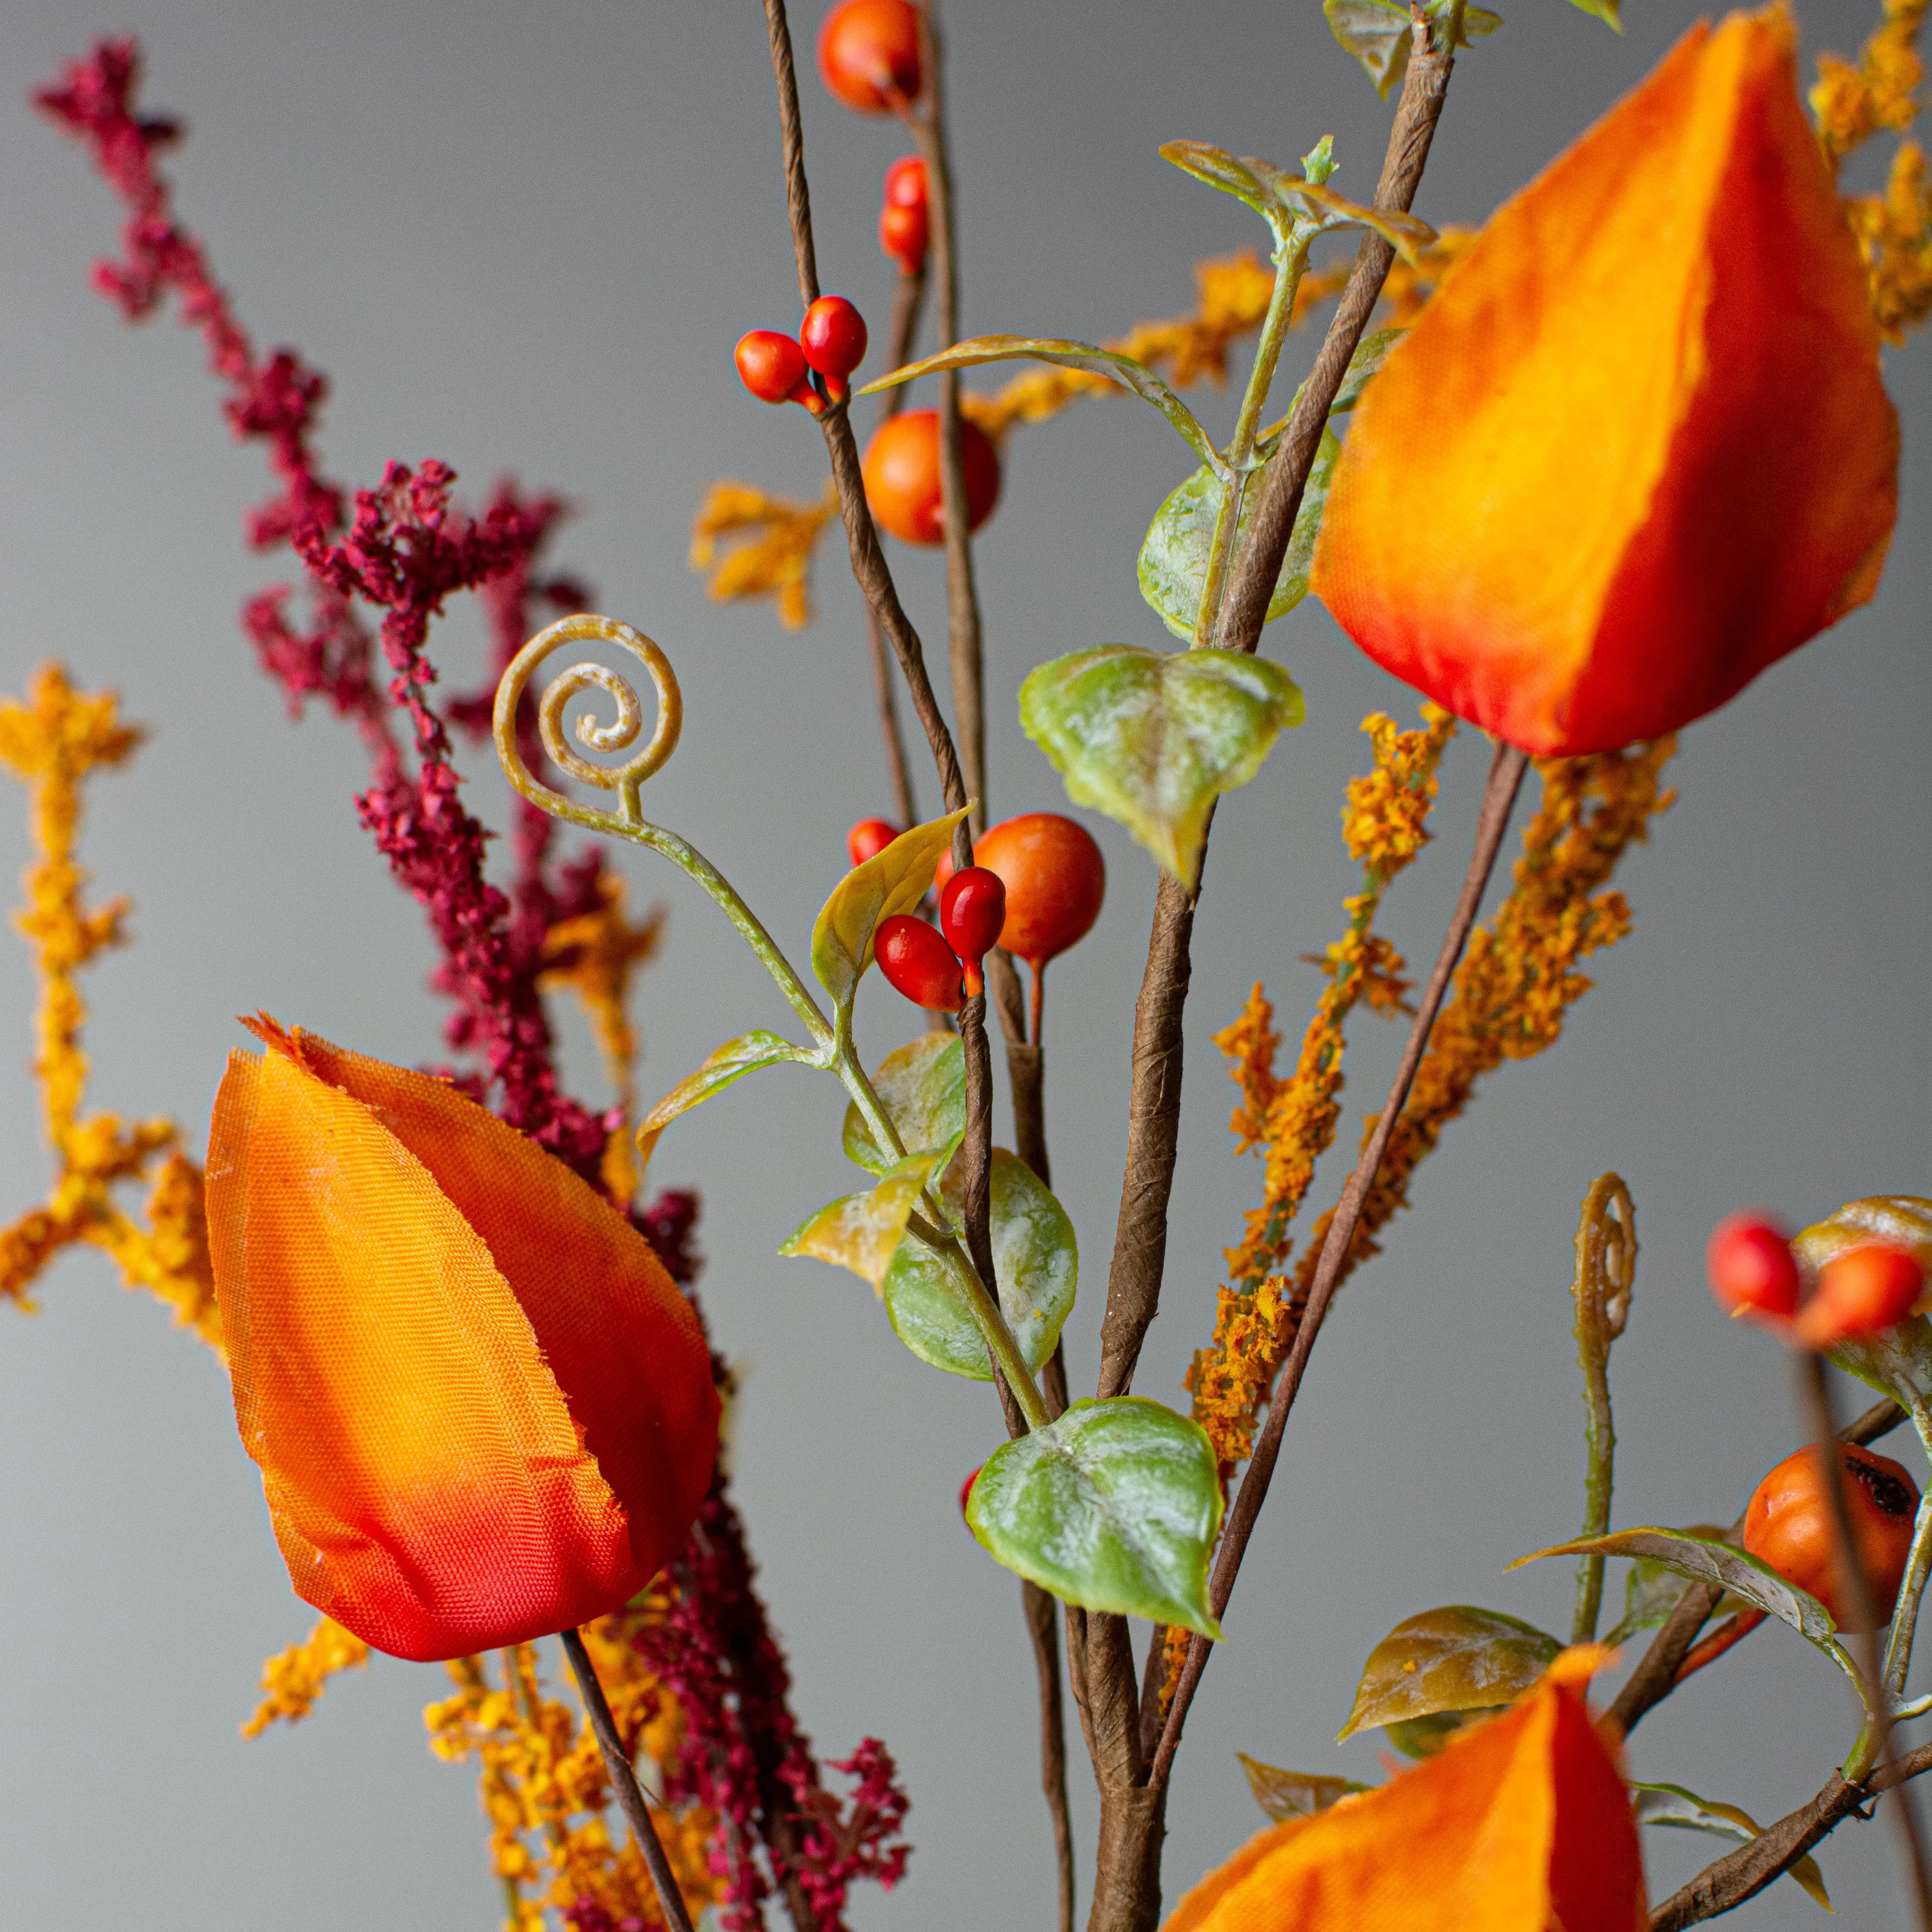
<point x="1636" y="449"/>
<point x="482" y="1410"/>
<point x="1520" y="1825"/>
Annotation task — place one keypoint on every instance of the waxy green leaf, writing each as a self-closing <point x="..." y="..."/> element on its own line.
<point x="1283" y="1794"/>
<point x="1459" y="1659"/>
<point x="1705" y="1560"/>
<point x="1377" y="33"/>
<point x="1671" y="1804"/>
<point x="1173" y="557"/>
<point x="1067" y="354"/>
<point x="921" y="1086"/>
<point x="1115" y="1506"/>
<point x="1651" y="1592"/>
<point x="1036" y="1259"/>
<point x="862" y="1231"/>
<point x="891" y="880"/>
<point x="1153" y="738"/>
<point x="732" y="1061"/>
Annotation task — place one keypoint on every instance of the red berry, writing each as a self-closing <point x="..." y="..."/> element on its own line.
<point x="1055" y="880"/>
<point x="1751" y="1267"/>
<point x="903" y="235"/>
<point x="869" y="837"/>
<point x="919" y="963"/>
<point x="972" y="909"/>
<point x="1860" y="1291"/>
<point x="905" y="182"/>
<point x="966" y="1489"/>
<point x="868" y="54"/>
<point x="902" y="476"/>
<point x="833" y="336"/>
<point x="772" y="366"/>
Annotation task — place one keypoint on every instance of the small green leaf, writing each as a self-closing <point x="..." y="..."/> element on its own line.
<point x="921" y="1086"/>
<point x="1090" y="356"/>
<point x="1283" y="1794"/>
<point x="1377" y="33"/>
<point x="1608" y="11"/>
<point x="1174" y="558"/>
<point x="1036" y="1260"/>
<point x="891" y="880"/>
<point x="1219" y="169"/>
<point x="1456" y="1659"/>
<point x="1115" y="1506"/>
<point x="732" y="1061"/>
<point x="1705" y="1560"/>
<point x="1153" y="738"/>
<point x="863" y="1231"/>
<point x="1671" y="1804"/>
<point x="1651" y="1592"/>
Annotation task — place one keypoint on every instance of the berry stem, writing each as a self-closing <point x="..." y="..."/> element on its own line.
<point x="1814" y="1403"/>
<point x="1912" y="1589"/>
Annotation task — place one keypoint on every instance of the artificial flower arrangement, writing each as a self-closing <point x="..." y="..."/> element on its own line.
<point x="1577" y="478"/>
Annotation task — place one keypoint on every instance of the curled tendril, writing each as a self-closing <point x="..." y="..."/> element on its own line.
<point x="622" y="731"/>
<point x="1605" y="1274"/>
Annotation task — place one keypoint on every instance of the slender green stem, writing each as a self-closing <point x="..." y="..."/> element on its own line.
<point x="1606" y="1269"/>
<point x="1917" y="1568"/>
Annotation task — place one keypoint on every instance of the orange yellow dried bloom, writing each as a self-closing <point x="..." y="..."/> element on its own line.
<point x="773" y="558"/>
<point x="1851" y="105"/>
<point x="1894" y="230"/>
<point x="52" y="744"/>
<point x="1293" y="1121"/>
<point x="1627" y="521"/>
<point x="1522" y="1824"/>
<point x="292" y="1680"/>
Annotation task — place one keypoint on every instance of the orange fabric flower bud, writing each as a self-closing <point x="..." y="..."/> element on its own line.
<point x="1637" y="448"/>
<point x="1517" y="1824"/>
<point x="482" y="1410"/>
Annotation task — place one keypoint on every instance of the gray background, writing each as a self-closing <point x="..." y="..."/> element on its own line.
<point x="525" y="238"/>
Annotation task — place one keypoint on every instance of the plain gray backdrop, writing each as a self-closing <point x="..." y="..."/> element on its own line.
<point x="524" y="239"/>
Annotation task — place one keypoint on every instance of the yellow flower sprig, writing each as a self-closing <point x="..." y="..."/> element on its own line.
<point x="52" y="743"/>
<point x="771" y="556"/>
<point x="294" y="1678"/>
<point x="1293" y="1121"/>
<point x="1852" y="105"/>
<point x="544" y="1788"/>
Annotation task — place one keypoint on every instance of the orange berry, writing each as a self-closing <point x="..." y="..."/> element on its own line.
<point x="770" y="365"/>
<point x="1860" y="1291"/>
<point x="868" y="838"/>
<point x="868" y="54"/>
<point x="1789" y="1526"/>
<point x="1055" y="878"/>
<point x="902" y="476"/>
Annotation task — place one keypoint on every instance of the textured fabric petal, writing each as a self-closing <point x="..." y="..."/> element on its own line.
<point x="431" y="1486"/>
<point x="1522" y="1823"/>
<point x="1637" y="447"/>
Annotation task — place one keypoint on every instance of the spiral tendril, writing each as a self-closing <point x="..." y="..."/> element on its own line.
<point x="621" y="730"/>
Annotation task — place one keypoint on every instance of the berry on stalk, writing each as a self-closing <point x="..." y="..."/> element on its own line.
<point x="972" y="909"/>
<point x="868" y="838"/>
<point x="868" y="54"/>
<point x="1789" y="1526"/>
<point x="833" y="337"/>
<point x="919" y="963"/>
<point x="1055" y="879"/>
<point x="773" y="367"/>
<point x="1752" y="1269"/>
<point x="904" y="230"/>
<point x="902" y="476"/>
<point x="1861" y="1291"/>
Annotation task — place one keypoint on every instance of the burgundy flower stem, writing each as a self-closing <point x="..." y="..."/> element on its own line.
<point x="624" y="1776"/>
<point x="1506" y="772"/>
<point x="1815" y="1406"/>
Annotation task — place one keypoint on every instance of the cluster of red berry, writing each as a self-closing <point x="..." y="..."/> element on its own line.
<point x="1860" y="1291"/>
<point x="905" y="227"/>
<point x="1035" y="887"/>
<point x="830" y="344"/>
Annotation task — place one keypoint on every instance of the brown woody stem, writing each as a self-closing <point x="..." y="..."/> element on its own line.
<point x="1505" y="779"/>
<point x="624" y="1776"/>
<point x="1814" y="1399"/>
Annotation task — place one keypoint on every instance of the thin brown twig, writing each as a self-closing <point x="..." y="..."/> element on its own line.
<point x="1815" y="1405"/>
<point x="1505" y="780"/>
<point x="624" y="1776"/>
<point x="1043" y="1617"/>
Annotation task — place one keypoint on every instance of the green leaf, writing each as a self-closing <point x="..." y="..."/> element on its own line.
<point x="1705" y="1560"/>
<point x="1651" y="1592"/>
<point x="863" y="1231"/>
<point x="1376" y="32"/>
<point x="732" y="1061"/>
<point x="1283" y="1794"/>
<point x="1608" y="11"/>
<point x="921" y="1087"/>
<point x="1174" y="558"/>
<point x="1153" y="738"/>
<point x="1097" y="360"/>
<point x="1219" y="169"/>
<point x="1671" y="1804"/>
<point x="1115" y="1506"/>
<point x="1457" y="1659"/>
<point x="891" y="880"/>
<point x="1036" y="1260"/>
